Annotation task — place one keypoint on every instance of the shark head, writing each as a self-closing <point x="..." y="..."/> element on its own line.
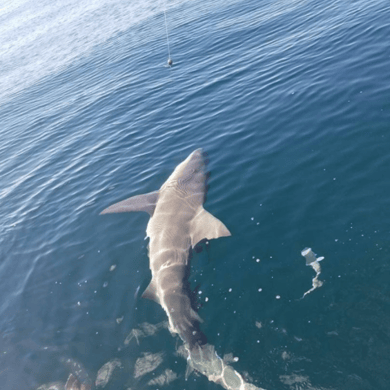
<point x="190" y="176"/>
<point x="191" y="169"/>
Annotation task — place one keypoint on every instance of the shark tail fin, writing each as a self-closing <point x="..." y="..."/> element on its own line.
<point x="145" y="202"/>
<point x="206" y="226"/>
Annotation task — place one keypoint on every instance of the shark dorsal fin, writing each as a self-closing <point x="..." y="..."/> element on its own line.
<point x="206" y="226"/>
<point x="145" y="202"/>
<point x="151" y="292"/>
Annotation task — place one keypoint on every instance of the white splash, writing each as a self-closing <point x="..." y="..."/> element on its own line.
<point x="313" y="261"/>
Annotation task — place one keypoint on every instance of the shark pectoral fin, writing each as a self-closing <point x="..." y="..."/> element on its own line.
<point x="205" y="225"/>
<point x="145" y="202"/>
<point x="151" y="292"/>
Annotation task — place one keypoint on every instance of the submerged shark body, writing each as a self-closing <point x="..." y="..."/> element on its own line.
<point x="177" y="223"/>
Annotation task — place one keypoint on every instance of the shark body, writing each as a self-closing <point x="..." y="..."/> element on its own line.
<point x="177" y="223"/>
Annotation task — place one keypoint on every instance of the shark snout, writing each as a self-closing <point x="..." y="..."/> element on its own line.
<point x="195" y="161"/>
<point x="197" y="152"/>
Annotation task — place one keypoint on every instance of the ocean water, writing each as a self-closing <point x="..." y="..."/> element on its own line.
<point x="291" y="102"/>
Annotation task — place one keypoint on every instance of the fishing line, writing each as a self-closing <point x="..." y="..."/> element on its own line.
<point x="170" y="62"/>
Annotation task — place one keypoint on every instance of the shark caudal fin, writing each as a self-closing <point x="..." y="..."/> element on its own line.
<point x="206" y="226"/>
<point x="145" y="202"/>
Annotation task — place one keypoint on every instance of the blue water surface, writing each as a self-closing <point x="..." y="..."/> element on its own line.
<point x="291" y="102"/>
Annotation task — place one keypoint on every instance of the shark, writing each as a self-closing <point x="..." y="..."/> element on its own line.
<point x="178" y="222"/>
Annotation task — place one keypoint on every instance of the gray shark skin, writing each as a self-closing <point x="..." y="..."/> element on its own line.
<point x="177" y="223"/>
